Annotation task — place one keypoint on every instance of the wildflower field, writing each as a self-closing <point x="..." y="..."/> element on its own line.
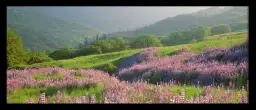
<point x="214" y="70"/>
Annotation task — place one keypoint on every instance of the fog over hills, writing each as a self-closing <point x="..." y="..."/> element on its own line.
<point x="112" y="19"/>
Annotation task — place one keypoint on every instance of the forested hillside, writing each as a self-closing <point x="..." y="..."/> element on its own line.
<point x="112" y="19"/>
<point x="207" y="17"/>
<point x="41" y="32"/>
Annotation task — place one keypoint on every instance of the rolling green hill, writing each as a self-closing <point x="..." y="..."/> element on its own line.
<point x="40" y="32"/>
<point x="207" y="17"/>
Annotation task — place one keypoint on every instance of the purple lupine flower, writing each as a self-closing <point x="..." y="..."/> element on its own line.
<point x="210" y="99"/>
<point x="84" y="99"/>
<point x="58" y="97"/>
<point x="77" y="100"/>
<point x="93" y="99"/>
<point x="42" y="98"/>
<point x="30" y="101"/>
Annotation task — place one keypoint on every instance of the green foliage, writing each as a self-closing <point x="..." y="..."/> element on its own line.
<point x="15" y="52"/>
<point x="18" y="66"/>
<point x="239" y="26"/>
<point x="37" y="57"/>
<point x="40" y="76"/>
<point x="220" y="29"/>
<point x="23" y="94"/>
<point x="110" y="68"/>
<point x="48" y="52"/>
<point x="79" y="75"/>
<point x="200" y="32"/>
<point x="191" y="91"/>
<point x="105" y="45"/>
<point x="120" y="44"/>
<point x="175" y="38"/>
<point x="40" y="32"/>
<point x="241" y="81"/>
<point x="63" y="53"/>
<point x="186" y="36"/>
<point x="193" y="41"/>
<point x="156" y="78"/>
<point x="146" y="41"/>
<point x="92" y="49"/>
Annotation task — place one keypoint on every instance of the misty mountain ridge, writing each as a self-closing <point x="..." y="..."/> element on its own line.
<point x="210" y="17"/>
<point x="113" y="19"/>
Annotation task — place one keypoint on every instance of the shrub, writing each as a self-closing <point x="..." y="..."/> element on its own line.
<point x="239" y="26"/>
<point x="110" y="68"/>
<point x="156" y="77"/>
<point x="193" y="41"/>
<point x="53" y="75"/>
<point x="199" y="32"/>
<point x="220" y="29"/>
<point x="241" y="81"/>
<point x="15" y="52"/>
<point x="146" y="41"/>
<point x="36" y="57"/>
<point x="105" y="45"/>
<point x="79" y="75"/>
<point x="91" y="49"/>
<point x="63" y="53"/>
<point x="19" y="67"/>
<point x="48" y="52"/>
<point x="40" y="76"/>
<point x="176" y="52"/>
<point x="120" y="44"/>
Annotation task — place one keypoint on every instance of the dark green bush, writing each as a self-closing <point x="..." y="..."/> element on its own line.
<point x="91" y="49"/>
<point x="146" y="41"/>
<point x="156" y="78"/>
<point x="109" y="68"/>
<point x="241" y="81"/>
<point x="186" y="36"/>
<point x="220" y="29"/>
<point x="239" y="26"/>
<point x="63" y="53"/>
<point x="35" y="57"/>
<point x="105" y="45"/>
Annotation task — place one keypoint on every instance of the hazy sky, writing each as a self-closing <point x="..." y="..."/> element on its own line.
<point x="119" y="18"/>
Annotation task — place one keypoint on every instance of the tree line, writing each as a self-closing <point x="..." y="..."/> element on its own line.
<point x="104" y="44"/>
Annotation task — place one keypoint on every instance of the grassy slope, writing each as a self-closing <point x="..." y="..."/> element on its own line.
<point x="93" y="61"/>
<point x="90" y="61"/>
<point x="211" y="41"/>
